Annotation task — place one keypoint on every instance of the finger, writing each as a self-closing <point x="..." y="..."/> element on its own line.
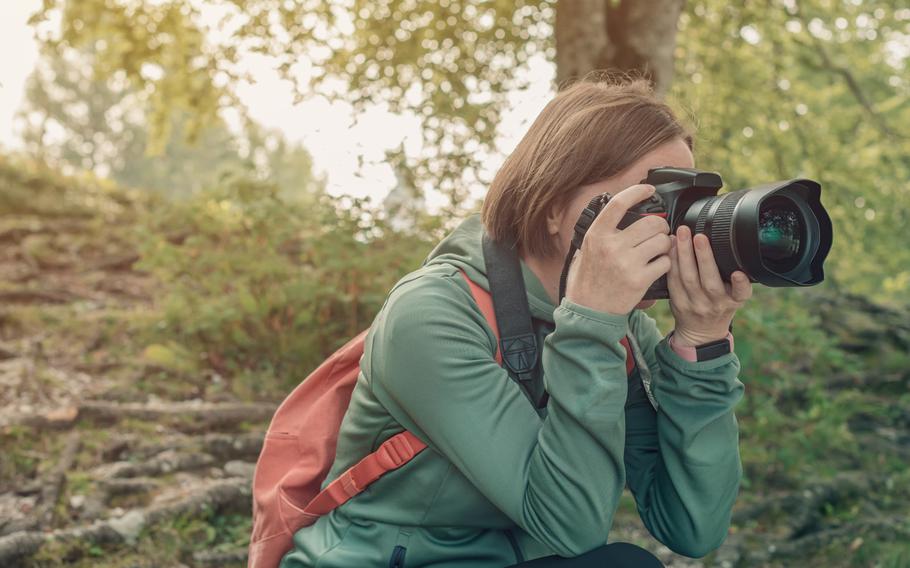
<point x="708" y="274"/>
<point x="658" y="244"/>
<point x="657" y="267"/>
<point x="614" y="210"/>
<point x="674" y="285"/>
<point x="741" y="286"/>
<point x="688" y="270"/>
<point x="643" y="229"/>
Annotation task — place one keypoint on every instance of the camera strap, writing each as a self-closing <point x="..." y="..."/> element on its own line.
<point x="518" y="342"/>
<point x="581" y="228"/>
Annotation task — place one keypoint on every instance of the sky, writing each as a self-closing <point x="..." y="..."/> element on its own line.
<point x="15" y="37"/>
<point x="324" y="128"/>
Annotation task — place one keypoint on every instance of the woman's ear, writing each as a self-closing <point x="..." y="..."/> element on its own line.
<point x="554" y="219"/>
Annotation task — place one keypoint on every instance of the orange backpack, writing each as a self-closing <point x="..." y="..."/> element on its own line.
<point x="299" y="450"/>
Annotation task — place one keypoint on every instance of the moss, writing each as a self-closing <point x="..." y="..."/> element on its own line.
<point x="25" y="452"/>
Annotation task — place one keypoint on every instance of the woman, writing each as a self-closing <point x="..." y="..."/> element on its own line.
<point x="499" y="485"/>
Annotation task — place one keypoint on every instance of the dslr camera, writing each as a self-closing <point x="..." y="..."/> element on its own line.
<point x="778" y="233"/>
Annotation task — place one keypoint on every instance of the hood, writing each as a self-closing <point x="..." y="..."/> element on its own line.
<point x="463" y="248"/>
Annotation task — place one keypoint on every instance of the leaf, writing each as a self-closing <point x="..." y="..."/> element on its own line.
<point x="170" y="356"/>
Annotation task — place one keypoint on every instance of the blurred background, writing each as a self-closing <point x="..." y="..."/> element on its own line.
<point x="200" y="200"/>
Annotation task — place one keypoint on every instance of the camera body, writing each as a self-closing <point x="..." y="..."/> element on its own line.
<point x="778" y="233"/>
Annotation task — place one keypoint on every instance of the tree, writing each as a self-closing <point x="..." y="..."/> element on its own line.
<point x="77" y="120"/>
<point x="781" y="88"/>
<point x="405" y="200"/>
<point x="451" y="62"/>
<point x="801" y="90"/>
<point x="627" y="35"/>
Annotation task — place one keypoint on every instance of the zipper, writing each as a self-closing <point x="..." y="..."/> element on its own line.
<point x="519" y="557"/>
<point x="397" y="560"/>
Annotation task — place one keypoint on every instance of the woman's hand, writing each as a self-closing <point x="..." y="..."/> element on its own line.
<point x="614" y="267"/>
<point x="702" y="303"/>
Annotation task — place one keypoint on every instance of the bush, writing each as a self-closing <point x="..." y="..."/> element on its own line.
<point x="262" y="286"/>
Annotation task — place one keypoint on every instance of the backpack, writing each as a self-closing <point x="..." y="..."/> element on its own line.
<point x="300" y="443"/>
<point x="299" y="450"/>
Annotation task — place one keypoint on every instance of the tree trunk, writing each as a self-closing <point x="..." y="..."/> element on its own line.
<point x="624" y="35"/>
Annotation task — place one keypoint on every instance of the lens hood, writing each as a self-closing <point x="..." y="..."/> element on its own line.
<point x="736" y="223"/>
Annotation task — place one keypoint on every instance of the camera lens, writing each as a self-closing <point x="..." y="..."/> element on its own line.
<point x="777" y="233"/>
<point x="780" y="233"/>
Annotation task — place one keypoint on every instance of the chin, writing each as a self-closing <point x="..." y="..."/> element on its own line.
<point x="645" y="304"/>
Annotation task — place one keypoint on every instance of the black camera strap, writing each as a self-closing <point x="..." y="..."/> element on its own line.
<point x="517" y="340"/>
<point x="581" y="228"/>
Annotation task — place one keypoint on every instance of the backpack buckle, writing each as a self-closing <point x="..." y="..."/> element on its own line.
<point x="397" y="450"/>
<point x="519" y="353"/>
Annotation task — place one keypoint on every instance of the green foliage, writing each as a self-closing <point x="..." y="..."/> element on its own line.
<point x="165" y="544"/>
<point x="260" y="285"/>
<point x="29" y="189"/>
<point x="452" y="63"/>
<point x="76" y="119"/>
<point x="883" y="554"/>
<point x="20" y="459"/>
<point x="815" y="89"/>
<point x="155" y="43"/>
<point x="779" y="89"/>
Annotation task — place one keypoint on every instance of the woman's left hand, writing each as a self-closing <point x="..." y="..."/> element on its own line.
<point x="702" y="303"/>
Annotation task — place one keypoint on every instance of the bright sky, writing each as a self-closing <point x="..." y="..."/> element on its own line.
<point x="325" y="129"/>
<point x="15" y="38"/>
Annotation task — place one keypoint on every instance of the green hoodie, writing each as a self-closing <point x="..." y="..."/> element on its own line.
<point x="499" y="484"/>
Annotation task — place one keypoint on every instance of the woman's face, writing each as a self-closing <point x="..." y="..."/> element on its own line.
<point x="675" y="153"/>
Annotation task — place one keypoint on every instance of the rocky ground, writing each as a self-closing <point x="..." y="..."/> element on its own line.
<point x="110" y="459"/>
<point x="104" y="462"/>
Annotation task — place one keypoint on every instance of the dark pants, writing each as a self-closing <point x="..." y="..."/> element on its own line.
<point x="616" y="555"/>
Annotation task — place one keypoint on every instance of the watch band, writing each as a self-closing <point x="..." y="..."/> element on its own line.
<point x="705" y="351"/>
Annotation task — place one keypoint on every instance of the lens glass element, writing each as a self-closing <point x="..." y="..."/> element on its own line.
<point x="780" y="233"/>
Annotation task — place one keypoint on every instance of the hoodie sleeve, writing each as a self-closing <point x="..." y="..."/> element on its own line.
<point x="431" y="364"/>
<point x="682" y="461"/>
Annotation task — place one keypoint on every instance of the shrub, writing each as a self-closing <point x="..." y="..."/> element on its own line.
<point x="264" y="286"/>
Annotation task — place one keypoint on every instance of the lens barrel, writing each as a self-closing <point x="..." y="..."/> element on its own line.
<point x="778" y="233"/>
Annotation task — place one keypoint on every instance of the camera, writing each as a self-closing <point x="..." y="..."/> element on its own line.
<point x="778" y="233"/>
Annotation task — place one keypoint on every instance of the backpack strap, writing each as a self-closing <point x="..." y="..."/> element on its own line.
<point x="394" y="452"/>
<point x="485" y="302"/>
<point x="517" y="339"/>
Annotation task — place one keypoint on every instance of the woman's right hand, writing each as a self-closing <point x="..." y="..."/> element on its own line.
<point x="614" y="267"/>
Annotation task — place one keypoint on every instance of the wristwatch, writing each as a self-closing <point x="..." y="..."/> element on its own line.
<point x="705" y="351"/>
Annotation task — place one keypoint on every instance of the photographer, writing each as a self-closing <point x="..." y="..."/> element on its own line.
<point x="500" y="483"/>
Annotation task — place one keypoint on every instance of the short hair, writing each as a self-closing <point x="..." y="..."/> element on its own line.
<point x="592" y="130"/>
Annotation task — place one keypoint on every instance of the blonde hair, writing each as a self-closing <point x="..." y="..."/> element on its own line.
<point x="592" y="130"/>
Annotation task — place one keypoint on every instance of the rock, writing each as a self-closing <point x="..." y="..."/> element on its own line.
<point x="129" y="525"/>
<point x="237" y="468"/>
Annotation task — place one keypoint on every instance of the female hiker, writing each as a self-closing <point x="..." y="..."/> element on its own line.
<point x="501" y="484"/>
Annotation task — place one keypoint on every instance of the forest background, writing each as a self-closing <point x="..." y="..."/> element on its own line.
<point x="170" y="268"/>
